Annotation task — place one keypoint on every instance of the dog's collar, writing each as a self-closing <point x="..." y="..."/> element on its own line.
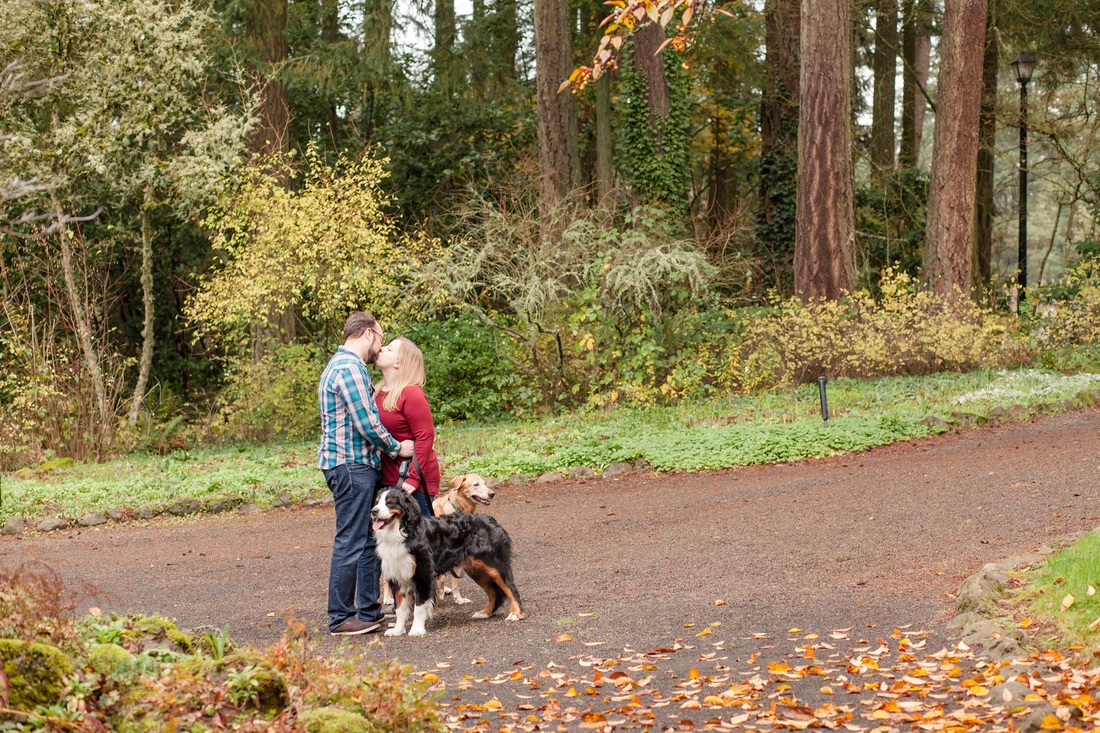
<point x="453" y="505"/>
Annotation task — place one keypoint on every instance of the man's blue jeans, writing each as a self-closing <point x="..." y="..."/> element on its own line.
<point x="353" y="580"/>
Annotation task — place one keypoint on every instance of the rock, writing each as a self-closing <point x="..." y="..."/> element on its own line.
<point x="549" y="478"/>
<point x="184" y="507"/>
<point x="115" y="515"/>
<point x="963" y="418"/>
<point x="996" y="414"/>
<point x="92" y="520"/>
<point x="147" y="512"/>
<point x="332" y="720"/>
<point x="581" y="472"/>
<point x="14" y="525"/>
<point x="51" y="524"/>
<point x="1010" y="691"/>
<point x="249" y="508"/>
<point x="1018" y="412"/>
<point x="962" y="620"/>
<point x="267" y="684"/>
<point x="319" y="500"/>
<point x="217" y="506"/>
<point x="642" y="465"/>
<point x="618" y="468"/>
<point x="493" y="482"/>
<point x="36" y="673"/>
<point x="517" y="478"/>
<point x="283" y="499"/>
<point x="977" y="591"/>
<point x="935" y="424"/>
<point x="1040" y="711"/>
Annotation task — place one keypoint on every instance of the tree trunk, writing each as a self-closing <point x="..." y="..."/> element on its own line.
<point x="267" y="33"/>
<point x="949" y="236"/>
<point x="557" y="116"/>
<point x="504" y="42"/>
<point x="987" y="139"/>
<point x="83" y="325"/>
<point x="605" y="173"/>
<point x="885" y="70"/>
<point x="147" y="334"/>
<point x="824" y="259"/>
<point x="775" y="217"/>
<point x="330" y="34"/>
<point x="377" y="63"/>
<point x="445" y="67"/>
<point x="649" y="65"/>
<point x="914" y="50"/>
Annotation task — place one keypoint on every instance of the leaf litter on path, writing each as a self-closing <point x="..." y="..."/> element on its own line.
<point x="891" y="683"/>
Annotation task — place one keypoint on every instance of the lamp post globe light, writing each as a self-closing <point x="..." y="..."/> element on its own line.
<point x="1022" y="67"/>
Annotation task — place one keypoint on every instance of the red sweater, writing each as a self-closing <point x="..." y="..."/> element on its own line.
<point x="410" y="420"/>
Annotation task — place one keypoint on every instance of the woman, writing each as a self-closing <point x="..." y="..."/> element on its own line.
<point x="404" y="411"/>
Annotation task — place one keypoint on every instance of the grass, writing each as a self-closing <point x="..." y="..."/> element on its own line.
<point x="1070" y="572"/>
<point x="721" y="433"/>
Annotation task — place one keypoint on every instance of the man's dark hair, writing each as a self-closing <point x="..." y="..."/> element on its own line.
<point x="357" y="323"/>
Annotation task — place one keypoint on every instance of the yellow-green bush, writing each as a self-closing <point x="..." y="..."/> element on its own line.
<point x="1068" y="314"/>
<point x="904" y="331"/>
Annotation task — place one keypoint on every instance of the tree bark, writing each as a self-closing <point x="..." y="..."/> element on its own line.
<point x="824" y="259"/>
<point x="83" y="324"/>
<point x="557" y="117"/>
<point x="987" y="139"/>
<point x="649" y="65"/>
<point x="504" y="42"/>
<point x="885" y="71"/>
<point x="445" y="68"/>
<point x="267" y="34"/>
<point x="605" y="173"/>
<point x="147" y="333"/>
<point x="779" y="138"/>
<point x="915" y="44"/>
<point x="949" y="236"/>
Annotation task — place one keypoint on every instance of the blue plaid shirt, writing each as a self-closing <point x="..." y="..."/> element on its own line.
<point x="350" y="429"/>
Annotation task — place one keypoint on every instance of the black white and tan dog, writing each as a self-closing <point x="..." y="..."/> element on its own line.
<point x="415" y="550"/>
<point x="467" y="492"/>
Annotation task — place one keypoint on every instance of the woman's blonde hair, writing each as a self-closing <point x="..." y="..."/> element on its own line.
<point x="410" y="372"/>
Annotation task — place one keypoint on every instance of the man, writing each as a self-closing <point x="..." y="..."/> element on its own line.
<point x="352" y="438"/>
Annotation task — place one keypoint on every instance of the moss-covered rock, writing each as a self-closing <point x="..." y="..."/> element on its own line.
<point x="36" y="672"/>
<point x="333" y="720"/>
<point x="269" y="694"/>
<point x="146" y="632"/>
<point x="107" y="659"/>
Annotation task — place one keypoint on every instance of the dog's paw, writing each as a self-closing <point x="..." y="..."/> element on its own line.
<point x="394" y="631"/>
<point x="460" y="601"/>
<point x="447" y="591"/>
<point x="480" y="614"/>
<point x="512" y="617"/>
<point x="417" y="632"/>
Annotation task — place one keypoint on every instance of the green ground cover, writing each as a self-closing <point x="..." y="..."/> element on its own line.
<point x="723" y="433"/>
<point x="1061" y="598"/>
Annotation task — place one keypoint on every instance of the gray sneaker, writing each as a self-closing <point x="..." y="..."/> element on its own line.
<point x="354" y="627"/>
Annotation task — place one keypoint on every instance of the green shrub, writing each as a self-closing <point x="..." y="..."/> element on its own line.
<point x="468" y="369"/>
<point x="275" y="397"/>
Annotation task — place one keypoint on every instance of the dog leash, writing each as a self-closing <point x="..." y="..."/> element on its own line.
<point x="403" y="473"/>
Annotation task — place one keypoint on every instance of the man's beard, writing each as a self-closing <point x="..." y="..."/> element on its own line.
<point x="372" y="356"/>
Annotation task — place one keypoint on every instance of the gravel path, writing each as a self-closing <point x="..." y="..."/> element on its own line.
<point x="867" y="542"/>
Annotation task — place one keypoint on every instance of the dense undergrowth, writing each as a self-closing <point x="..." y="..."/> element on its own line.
<point x="142" y="673"/>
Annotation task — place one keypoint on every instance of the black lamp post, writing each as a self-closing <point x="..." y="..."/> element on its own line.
<point x="1022" y="66"/>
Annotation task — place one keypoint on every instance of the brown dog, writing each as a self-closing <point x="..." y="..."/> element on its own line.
<point x="467" y="493"/>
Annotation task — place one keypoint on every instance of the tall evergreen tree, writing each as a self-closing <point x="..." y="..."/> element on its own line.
<point x="824" y="260"/>
<point x="949" y="236"/>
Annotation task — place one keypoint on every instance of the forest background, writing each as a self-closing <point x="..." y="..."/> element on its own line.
<point x="195" y="194"/>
